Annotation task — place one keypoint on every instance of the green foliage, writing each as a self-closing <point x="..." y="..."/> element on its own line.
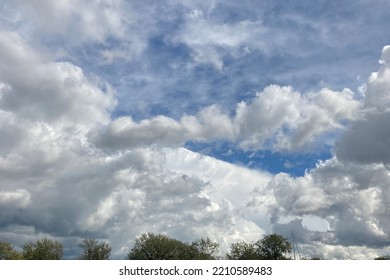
<point x="273" y="247"/>
<point x="7" y="252"/>
<point x="44" y="249"/>
<point x="93" y="250"/>
<point x="150" y="246"/>
<point x="270" y="247"/>
<point x="242" y="251"/>
<point x="204" y="249"/>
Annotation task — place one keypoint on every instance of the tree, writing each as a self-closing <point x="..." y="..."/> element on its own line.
<point x="204" y="249"/>
<point x="242" y="251"/>
<point x="270" y="247"/>
<point x="273" y="247"/>
<point x="44" y="249"/>
<point x="93" y="250"/>
<point x="150" y="246"/>
<point x="7" y="252"/>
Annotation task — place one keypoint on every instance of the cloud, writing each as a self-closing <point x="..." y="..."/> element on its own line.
<point x="278" y="118"/>
<point x="124" y="133"/>
<point x="125" y="52"/>
<point x="94" y="20"/>
<point x="46" y="109"/>
<point x="38" y="90"/>
<point x="211" y="41"/>
<point x="368" y="138"/>
<point x="118" y="197"/>
<point x="15" y="199"/>
<point x="353" y="199"/>
<point x="292" y="120"/>
<point x="56" y="182"/>
<point x="224" y="177"/>
<point x="350" y="191"/>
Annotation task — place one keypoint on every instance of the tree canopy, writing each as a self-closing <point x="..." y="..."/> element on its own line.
<point x="44" y="249"/>
<point x="7" y="252"/>
<point x="270" y="247"/>
<point x="150" y="246"/>
<point x="93" y="250"/>
<point x="204" y="249"/>
<point x="273" y="247"/>
<point x="242" y="251"/>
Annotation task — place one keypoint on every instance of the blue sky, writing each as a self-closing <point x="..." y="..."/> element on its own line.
<point x="313" y="49"/>
<point x="230" y="119"/>
<point x="295" y="164"/>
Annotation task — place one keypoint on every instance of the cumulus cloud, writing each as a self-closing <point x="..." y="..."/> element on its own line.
<point x="39" y="90"/>
<point x="368" y="139"/>
<point x="118" y="197"/>
<point x="278" y="118"/>
<point x="292" y="120"/>
<point x="353" y="199"/>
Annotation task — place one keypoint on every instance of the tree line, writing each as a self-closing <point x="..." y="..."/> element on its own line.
<point x="151" y="246"/>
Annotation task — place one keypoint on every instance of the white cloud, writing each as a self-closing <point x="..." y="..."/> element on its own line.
<point x="211" y="41"/>
<point x="224" y="178"/>
<point x="15" y="199"/>
<point x="39" y="90"/>
<point x="81" y="20"/>
<point x="385" y="58"/>
<point x="125" y="52"/>
<point x="278" y="118"/>
<point x="124" y="133"/>
<point x="293" y="121"/>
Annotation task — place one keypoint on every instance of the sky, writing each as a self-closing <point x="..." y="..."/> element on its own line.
<point x="220" y="119"/>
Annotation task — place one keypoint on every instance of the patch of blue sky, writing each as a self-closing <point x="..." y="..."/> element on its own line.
<point x="295" y="164"/>
<point x="164" y="78"/>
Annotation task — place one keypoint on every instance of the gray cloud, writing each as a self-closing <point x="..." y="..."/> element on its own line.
<point x="352" y="198"/>
<point x="368" y="139"/>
